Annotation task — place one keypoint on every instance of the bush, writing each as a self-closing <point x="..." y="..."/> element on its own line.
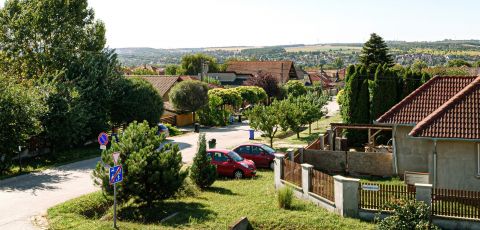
<point x="285" y="197"/>
<point x="172" y="130"/>
<point x="136" y="100"/>
<point x="203" y="173"/>
<point x="407" y="214"/>
<point x="150" y="173"/>
<point x="19" y="111"/>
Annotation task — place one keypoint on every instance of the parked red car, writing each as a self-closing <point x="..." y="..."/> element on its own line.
<point x="230" y="164"/>
<point x="261" y="154"/>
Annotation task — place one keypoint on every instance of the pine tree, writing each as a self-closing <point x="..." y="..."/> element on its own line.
<point x="412" y="80"/>
<point x="384" y="91"/>
<point x="202" y="172"/>
<point x="375" y="51"/>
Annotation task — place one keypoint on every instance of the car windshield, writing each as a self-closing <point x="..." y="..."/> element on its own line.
<point x="235" y="156"/>
<point x="268" y="149"/>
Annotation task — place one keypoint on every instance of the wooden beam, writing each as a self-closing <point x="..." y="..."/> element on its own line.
<point x="360" y="126"/>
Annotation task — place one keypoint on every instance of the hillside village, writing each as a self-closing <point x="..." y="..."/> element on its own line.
<point x="373" y="135"/>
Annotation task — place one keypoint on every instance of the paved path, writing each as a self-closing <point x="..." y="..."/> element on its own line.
<point x="29" y="195"/>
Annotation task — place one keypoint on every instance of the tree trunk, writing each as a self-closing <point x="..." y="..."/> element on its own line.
<point x="298" y="135"/>
<point x="271" y="142"/>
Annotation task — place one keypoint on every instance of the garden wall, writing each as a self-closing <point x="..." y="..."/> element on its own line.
<point x="355" y="163"/>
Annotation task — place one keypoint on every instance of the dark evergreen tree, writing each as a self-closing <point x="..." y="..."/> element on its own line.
<point x="412" y="80"/>
<point x="375" y="51"/>
<point x="384" y="91"/>
<point x="202" y="172"/>
<point x="425" y="77"/>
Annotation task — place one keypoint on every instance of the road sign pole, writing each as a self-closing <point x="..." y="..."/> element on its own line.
<point x="115" y="205"/>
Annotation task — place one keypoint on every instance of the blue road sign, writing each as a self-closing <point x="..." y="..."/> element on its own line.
<point x="103" y="138"/>
<point x="116" y="174"/>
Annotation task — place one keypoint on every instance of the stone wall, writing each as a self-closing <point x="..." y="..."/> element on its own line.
<point x="364" y="163"/>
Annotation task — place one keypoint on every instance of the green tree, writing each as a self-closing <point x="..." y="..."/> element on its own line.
<point x="311" y="106"/>
<point x="425" y="77"/>
<point x="60" y="42"/>
<point x="150" y="173"/>
<point x="189" y="96"/>
<point x="476" y="64"/>
<point x="384" y="91"/>
<point x="458" y="63"/>
<point x="418" y="65"/>
<point x="251" y="94"/>
<point x="295" y="88"/>
<point x="265" y="119"/>
<point x="20" y="108"/>
<point x="136" y="100"/>
<point x="202" y="172"/>
<point x="212" y="114"/>
<point x="412" y="80"/>
<point x="338" y="63"/>
<point x="375" y="51"/>
<point x="291" y="115"/>
<point x="143" y="71"/>
<point x="172" y="69"/>
<point x="192" y="63"/>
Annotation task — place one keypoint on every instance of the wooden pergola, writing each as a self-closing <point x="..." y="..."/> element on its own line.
<point x="376" y="129"/>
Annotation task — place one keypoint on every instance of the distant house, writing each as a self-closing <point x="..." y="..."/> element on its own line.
<point x="436" y="130"/>
<point x="230" y="78"/>
<point x="316" y="77"/>
<point x="283" y="71"/>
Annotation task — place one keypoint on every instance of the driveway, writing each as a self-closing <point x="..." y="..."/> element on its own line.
<point x="26" y="196"/>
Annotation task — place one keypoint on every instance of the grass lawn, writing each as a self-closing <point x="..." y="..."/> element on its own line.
<point x="227" y="201"/>
<point x="48" y="160"/>
<point x="283" y="139"/>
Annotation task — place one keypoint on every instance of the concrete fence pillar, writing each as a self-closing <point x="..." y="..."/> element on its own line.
<point x="338" y="144"/>
<point x="321" y="139"/>
<point x="330" y="139"/>
<point x="306" y="178"/>
<point x="290" y="153"/>
<point x="424" y="193"/>
<point x="278" y="170"/>
<point x="346" y="196"/>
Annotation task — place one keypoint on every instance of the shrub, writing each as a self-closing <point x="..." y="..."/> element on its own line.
<point x="150" y="173"/>
<point x="285" y="197"/>
<point x="202" y="173"/>
<point x="295" y="88"/>
<point x="136" y="100"/>
<point x="189" y="96"/>
<point x="172" y="130"/>
<point x="19" y="111"/>
<point x="407" y="214"/>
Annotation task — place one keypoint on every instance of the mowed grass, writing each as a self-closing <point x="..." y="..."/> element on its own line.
<point x="285" y="139"/>
<point x="227" y="201"/>
<point x="42" y="162"/>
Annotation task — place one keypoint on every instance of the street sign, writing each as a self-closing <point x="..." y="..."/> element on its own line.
<point x="103" y="140"/>
<point x="368" y="187"/>
<point x="116" y="174"/>
<point x="115" y="156"/>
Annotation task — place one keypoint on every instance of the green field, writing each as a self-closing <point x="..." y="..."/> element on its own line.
<point x="227" y="201"/>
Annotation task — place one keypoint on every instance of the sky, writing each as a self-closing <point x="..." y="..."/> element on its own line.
<point x="217" y="23"/>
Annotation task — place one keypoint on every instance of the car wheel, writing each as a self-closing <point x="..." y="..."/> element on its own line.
<point x="272" y="165"/>
<point x="238" y="174"/>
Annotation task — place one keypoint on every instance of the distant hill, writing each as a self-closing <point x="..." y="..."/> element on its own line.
<point x="434" y="53"/>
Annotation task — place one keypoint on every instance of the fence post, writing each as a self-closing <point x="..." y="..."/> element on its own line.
<point x="330" y="138"/>
<point x="278" y="170"/>
<point x="306" y="178"/>
<point x="346" y="196"/>
<point x="291" y="156"/>
<point x="321" y="139"/>
<point x="424" y="193"/>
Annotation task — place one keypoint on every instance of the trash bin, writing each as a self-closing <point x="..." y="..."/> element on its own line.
<point x="212" y="143"/>
<point x="252" y="134"/>
<point x="196" y="127"/>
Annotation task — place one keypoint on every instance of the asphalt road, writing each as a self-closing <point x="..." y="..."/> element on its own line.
<point x="26" y="196"/>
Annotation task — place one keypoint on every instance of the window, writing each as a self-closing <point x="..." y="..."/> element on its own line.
<point x="220" y="157"/>
<point x="257" y="150"/>
<point x="243" y="149"/>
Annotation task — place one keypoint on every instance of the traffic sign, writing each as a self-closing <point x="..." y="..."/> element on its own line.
<point x="116" y="174"/>
<point x="103" y="138"/>
<point x="115" y="156"/>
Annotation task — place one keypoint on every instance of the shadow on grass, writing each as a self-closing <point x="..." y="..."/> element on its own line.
<point x="161" y="210"/>
<point x="220" y="190"/>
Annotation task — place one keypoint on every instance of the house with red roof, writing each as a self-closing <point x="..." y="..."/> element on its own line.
<point x="436" y="130"/>
<point x="283" y="71"/>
